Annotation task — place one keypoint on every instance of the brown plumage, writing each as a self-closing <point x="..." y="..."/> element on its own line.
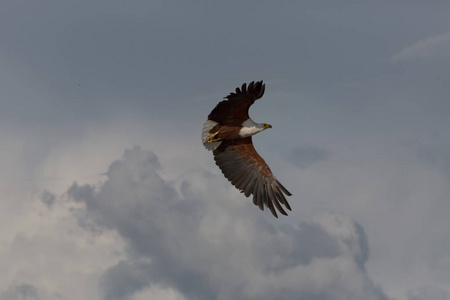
<point x="227" y="132"/>
<point x="234" y="110"/>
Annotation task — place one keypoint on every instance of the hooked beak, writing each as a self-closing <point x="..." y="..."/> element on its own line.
<point x="267" y="126"/>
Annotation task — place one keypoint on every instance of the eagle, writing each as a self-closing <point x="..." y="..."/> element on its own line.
<point x="228" y="133"/>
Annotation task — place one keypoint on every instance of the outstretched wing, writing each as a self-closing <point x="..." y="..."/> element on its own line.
<point x="248" y="172"/>
<point x="234" y="110"/>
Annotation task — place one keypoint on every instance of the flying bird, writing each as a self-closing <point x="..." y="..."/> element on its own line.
<point x="228" y="133"/>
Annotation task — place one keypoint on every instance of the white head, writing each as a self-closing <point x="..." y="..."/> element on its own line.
<point x="250" y="128"/>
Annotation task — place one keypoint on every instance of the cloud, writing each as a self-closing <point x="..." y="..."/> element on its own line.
<point x="435" y="46"/>
<point x="48" y="198"/>
<point x="429" y="293"/>
<point x="29" y="292"/>
<point x="23" y="291"/>
<point x="192" y="236"/>
<point x="307" y="156"/>
<point x="435" y="155"/>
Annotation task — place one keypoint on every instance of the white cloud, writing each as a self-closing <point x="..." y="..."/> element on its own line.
<point x="208" y="244"/>
<point x="435" y="46"/>
<point x="46" y="254"/>
<point x="139" y="177"/>
<point x="428" y="293"/>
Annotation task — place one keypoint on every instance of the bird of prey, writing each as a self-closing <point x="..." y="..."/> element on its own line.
<point x="228" y="133"/>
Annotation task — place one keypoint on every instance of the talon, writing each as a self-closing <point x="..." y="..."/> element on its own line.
<point x="211" y="138"/>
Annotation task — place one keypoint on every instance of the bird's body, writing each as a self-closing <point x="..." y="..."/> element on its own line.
<point x="228" y="133"/>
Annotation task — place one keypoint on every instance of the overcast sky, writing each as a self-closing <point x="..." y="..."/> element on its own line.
<point x="107" y="193"/>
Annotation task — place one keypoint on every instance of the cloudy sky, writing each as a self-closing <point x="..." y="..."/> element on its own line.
<point x="106" y="191"/>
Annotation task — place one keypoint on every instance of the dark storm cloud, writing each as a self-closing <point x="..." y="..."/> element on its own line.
<point x="213" y="248"/>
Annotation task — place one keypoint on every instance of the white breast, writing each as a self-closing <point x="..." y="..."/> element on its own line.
<point x="250" y="128"/>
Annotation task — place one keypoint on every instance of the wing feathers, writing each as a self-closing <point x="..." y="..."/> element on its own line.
<point x="283" y="189"/>
<point x="234" y="110"/>
<point x="248" y="172"/>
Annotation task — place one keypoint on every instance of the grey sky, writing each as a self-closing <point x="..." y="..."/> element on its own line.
<point x="358" y="97"/>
